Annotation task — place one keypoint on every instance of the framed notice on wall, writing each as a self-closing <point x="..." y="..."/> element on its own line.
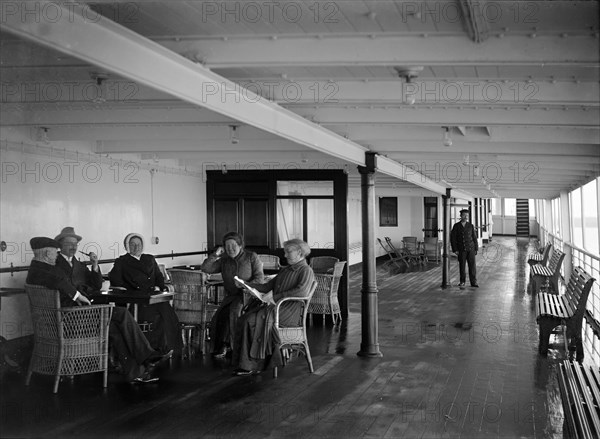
<point x="388" y="212"/>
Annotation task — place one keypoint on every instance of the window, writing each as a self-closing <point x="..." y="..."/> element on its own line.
<point x="388" y="211"/>
<point x="496" y="206"/>
<point x="305" y="211"/>
<point x="589" y="201"/>
<point x="556" y="217"/>
<point x="510" y="207"/>
<point x="577" y="224"/>
<point x="532" y="208"/>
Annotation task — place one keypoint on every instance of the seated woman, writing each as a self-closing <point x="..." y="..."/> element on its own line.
<point x="139" y="272"/>
<point x="253" y="354"/>
<point x="234" y="261"/>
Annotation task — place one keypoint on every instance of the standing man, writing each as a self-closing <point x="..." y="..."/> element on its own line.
<point x="463" y="240"/>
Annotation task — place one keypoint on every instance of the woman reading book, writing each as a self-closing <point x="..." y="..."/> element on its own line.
<point x="256" y="341"/>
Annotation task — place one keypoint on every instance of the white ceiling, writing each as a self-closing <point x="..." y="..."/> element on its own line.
<point x="317" y="82"/>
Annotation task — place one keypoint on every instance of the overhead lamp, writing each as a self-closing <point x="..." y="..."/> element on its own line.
<point x="447" y="141"/>
<point x="101" y="93"/>
<point x="233" y="136"/>
<point x="408" y="74"/>
<point x="42" y="135"/>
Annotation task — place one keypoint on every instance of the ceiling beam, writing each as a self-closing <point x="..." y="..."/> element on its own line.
<point x="385" y="50"/>
<point x="112" y="47"/>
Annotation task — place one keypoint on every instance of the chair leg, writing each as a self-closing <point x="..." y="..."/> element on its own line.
<point x="29" y="372"/>
<point x="308" y="358"/>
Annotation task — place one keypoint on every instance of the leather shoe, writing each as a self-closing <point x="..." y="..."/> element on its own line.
<point x="145" y="378"/>
<point x="242" y="372"/>
<point x="220" y="354"/>
<point x="475" y="285"/>
<point x="462" y="284"/>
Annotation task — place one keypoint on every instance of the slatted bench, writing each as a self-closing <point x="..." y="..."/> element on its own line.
<point x="540" y="257"/>
<point x="542" y="273"/>
<point x="580" y="394"/>
<point x="567" y="310"/>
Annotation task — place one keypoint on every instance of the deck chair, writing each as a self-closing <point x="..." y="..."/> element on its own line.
<point x="295" y="337"/>
<point x="411" y="246"/>
<point x="394" y="259"/>
<point x="67" y="340"/>
<point x="401" y="253"/>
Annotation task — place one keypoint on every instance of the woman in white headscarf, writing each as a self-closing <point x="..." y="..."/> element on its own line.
<point x="138" y="271"/>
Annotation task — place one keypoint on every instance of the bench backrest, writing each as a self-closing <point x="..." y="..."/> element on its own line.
<point x="556" y="261"/>
<point x="546" y="254"/>
<point x="578" y="290"/>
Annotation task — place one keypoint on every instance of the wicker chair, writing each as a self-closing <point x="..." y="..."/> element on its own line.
<point x="67" y="341"/>
<point x="325" y="299"/>
<point x="270" y="262"/>
<point x="431" y="249"/>
<point x="295" y="337"/>
<point x="191" y="306"/>
<point x="323" y="264"/>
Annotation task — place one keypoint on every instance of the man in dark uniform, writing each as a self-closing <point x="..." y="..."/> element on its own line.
<point x="463" y="240"/>
<point x="130" y="345"/>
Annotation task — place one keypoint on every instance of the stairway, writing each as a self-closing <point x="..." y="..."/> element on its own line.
<point x="522" y="217"/>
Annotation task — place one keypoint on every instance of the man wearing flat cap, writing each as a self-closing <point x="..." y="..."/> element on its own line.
<point x="135" y="354"/>
<point x="463" y="240"/>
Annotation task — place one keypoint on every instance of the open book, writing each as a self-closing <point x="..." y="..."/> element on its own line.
<point x="263" y="297"/>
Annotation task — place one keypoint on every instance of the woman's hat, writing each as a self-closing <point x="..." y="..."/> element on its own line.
<point x="464" y="211"/>
<point x="68" y="232"/>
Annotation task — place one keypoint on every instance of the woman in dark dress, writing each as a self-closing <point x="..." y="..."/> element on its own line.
<point x="256" y="341"/>
<point x="233" y="260"/>
<point x="139" y="271"/>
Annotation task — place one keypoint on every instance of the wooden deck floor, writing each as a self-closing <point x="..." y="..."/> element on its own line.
<point x="456" y="363"/>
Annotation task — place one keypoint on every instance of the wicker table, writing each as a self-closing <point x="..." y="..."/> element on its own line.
<point x="126" y="297"/>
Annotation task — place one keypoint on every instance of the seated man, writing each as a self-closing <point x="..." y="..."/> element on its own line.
<point x="130" y="345"/>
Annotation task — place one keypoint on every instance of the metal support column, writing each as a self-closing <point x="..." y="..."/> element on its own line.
<point x="369" y="346"/>
<point x="445" y="237"/>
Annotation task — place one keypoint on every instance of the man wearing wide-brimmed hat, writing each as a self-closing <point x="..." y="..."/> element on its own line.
<point x="463" y="240"/>
<point x="79" y="275"/>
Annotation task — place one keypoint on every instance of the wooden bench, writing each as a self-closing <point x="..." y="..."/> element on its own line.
<point x="542" y="273"/>
<point x="580" y="394"/>
<point x="567" y="310"/>
<point x="539" y="257"/>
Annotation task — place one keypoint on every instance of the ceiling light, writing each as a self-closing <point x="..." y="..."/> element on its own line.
<point x="447" y="139"/>
<point x="233" y="134"/>
<point x="42" y="135"/>
<point x="408" y="74"/>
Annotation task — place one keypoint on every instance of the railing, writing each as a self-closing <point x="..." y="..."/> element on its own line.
<point x="12" y="269"/>
<point x="591" y="264"/>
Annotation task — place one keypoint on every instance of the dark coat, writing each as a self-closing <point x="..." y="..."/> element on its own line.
<point x="50" y="276"/>
<point x="463" y="238"/>
<point x="137" y="275"/>
<point x="80" y="276"/>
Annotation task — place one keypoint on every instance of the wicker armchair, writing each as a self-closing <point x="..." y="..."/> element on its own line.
<point x="432" y="249"/>
<point x="295" y="337"/>
<point x="325" y="300"/>
<point x="323" y="264"/>
<point x="270" y="262"/>
<point x="67" y="341"/>
<point x="191" y="306"/>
